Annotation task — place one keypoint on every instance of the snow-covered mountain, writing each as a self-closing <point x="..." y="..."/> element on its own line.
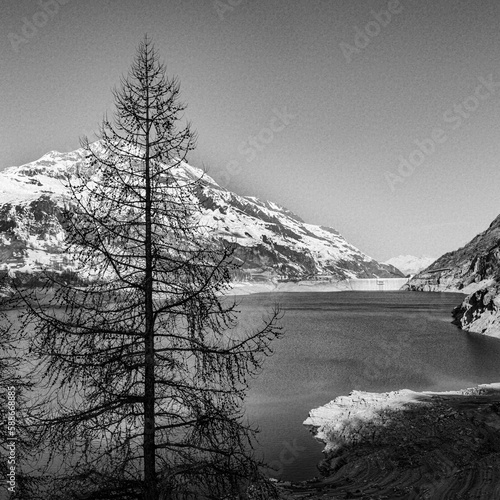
<point x="409" y="264"/>
<point x="271" y="242"/>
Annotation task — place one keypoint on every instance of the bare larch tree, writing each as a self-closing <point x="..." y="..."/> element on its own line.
<point x="145" y="363"/>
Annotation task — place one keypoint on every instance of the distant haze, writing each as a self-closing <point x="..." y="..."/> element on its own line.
<point x="378" y="118"/>
<point x="409" y="264"/>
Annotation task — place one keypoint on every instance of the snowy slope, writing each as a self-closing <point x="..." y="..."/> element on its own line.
<point x="271" y="241"/>
<point x="409" y="264"/>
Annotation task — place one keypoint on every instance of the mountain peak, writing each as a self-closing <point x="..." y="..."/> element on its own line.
<point x="271" y="242"/>
<point x="410" y="264"/>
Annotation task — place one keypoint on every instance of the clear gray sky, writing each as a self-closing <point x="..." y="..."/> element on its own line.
<point x="378" y="118"/>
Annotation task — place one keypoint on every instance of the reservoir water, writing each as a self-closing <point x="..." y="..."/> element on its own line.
<point x="340" y="341"/>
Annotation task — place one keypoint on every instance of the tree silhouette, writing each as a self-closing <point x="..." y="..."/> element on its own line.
<point x="18" y="437"/>
<point x="145" y="364"/>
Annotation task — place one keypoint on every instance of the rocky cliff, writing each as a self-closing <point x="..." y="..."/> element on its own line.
<point x="271" y="242"/>
<point x="474" y="270"/>
<point x="480" y="312"/>
<point x="467" y="269"/>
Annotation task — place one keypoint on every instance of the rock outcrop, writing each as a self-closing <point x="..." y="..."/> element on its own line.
<point x="407" y="445"/>
<point x="473" y="270"/>
<point x="474" y="266"/>
<point x="480" y="312"/>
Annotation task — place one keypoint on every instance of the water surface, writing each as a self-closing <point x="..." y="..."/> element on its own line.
<point x="340" y="341"/>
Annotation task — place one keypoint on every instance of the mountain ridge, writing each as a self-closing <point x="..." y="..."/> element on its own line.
<point x="271" y="242"/>
<point x="474" y="270"/>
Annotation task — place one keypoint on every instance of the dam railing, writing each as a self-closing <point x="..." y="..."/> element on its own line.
<point x="378" y="284"/>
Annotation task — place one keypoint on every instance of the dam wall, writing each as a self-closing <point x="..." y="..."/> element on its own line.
<point x="378" y="284"/>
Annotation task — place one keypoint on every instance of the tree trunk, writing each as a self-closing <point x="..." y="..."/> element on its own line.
<point x="150" y="490"/>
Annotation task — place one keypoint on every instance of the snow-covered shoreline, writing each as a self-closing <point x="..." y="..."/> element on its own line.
<point x="327" y="420"/>
<point x="408" y="444"/>
<point x="330" y="420"/>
